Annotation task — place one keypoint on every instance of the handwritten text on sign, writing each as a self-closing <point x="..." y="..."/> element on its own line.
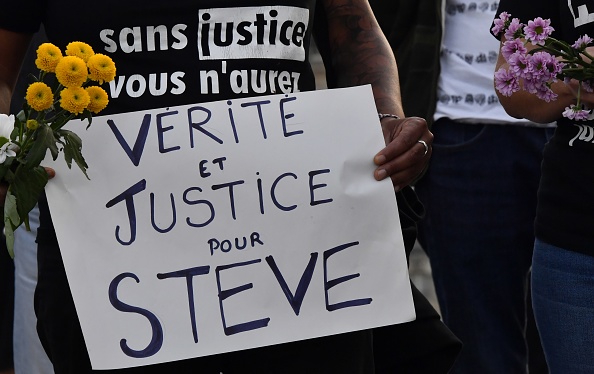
<point x="222" y="226"/>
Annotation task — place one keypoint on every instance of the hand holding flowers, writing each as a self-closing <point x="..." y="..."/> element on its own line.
<point x="536" y="69"/>
<point x="63" y="90"/>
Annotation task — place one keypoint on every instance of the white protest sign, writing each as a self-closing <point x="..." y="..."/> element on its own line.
<point x="223" y="226"/>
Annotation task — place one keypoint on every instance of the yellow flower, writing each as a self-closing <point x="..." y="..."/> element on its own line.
<point x="71" y="71"/>
<point x="99" y="99"/>
<point x="79" y="49"/>
<point x="32" y="124"/>
<point x="39" y="96"/>
<point x="74" y="99"/>
<point x="101" y="68"/>
<point x="48" y="56"/>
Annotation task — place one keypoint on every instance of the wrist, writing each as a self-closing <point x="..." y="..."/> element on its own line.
<point x="387" y="115"/>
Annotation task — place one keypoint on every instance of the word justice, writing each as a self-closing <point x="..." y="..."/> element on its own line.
<point x="206" y="209"/>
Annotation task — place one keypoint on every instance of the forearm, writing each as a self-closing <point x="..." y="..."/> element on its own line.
<point x="361" y="54"/>
<point x="523" y="104"/>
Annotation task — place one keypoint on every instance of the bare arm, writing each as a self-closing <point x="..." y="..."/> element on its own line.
<point x="362" y="55"/>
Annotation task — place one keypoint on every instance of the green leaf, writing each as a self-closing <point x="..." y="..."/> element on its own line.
<point x="11" y="221"/>
<point x="21" y="197"/>
<point x="44" y="140"/>
<point x="27" y="186"/>
<point x="73" y="150"/>
<point x="88" y="116"/>
<point x="21" y="116"/>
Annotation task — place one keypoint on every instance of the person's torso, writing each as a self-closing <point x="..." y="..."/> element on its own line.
<point x="566" y="203"/>
<point x="468" y="57"/>
<point x="181" y="51"/>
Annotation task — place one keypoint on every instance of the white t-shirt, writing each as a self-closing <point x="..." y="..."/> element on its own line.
<point x="469" y="53"/>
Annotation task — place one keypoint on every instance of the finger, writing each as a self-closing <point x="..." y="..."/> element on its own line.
<point x="402" y="139"/>
<point x="415" y="158"/>
<point x="425" y="146"/>
<point x="406" y="168"/>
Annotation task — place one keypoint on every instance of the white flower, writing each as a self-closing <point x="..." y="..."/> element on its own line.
<point x="8" y="148"/>
<point x="6" y="125"/>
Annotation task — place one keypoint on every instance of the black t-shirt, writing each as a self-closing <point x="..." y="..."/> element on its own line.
<point x="170" y="53"/>
<point x="182" y="51"/>
<point x="565" y="214"/>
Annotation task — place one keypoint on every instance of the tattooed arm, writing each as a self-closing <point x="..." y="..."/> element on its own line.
<point x="361" y="55"/>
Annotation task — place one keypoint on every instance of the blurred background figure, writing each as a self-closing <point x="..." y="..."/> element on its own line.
<point x="563" y="262"/>
<point x="480" y="188"/>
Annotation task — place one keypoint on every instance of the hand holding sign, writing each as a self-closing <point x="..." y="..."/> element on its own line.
<point x="403" y="159"/>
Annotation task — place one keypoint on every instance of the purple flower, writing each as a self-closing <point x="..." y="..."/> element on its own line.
<point x="545" y="66"/>
<point x="582" y="42"/>
<point x="531" y="84"/>
<point x="588" y="85"/>
<point x="576" y="113"/>
<point x="506" y="82"/>
<point x="538" y="31"/>
<point x="512" y="46"/>
<point x="514" y="30"/>
<point x="519" y="64"/>
<point x="544" y="92"/>
<point x="500" y="23"/>
<point x="536" y="71"/>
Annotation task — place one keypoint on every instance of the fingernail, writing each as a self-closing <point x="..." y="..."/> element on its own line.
<point x="380" y="159"/>
<point x="381" y="174"/>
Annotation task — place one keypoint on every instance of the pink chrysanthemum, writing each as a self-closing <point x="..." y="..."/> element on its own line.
<point x="519" y="64"/>
<point x="582" y="42"/>
<point x="500" y="23"/>
<point x="506" y="82"/>
<point x="545" y="66"/>
<point x="544" y="92"/>
<point x="588" y="85"/>
<point x="531" y="84"/>
<point x="514" y="30"/>
<point x="538" y="30"/>
<point x="576" y="113"/>
<point x="512" y="46"/>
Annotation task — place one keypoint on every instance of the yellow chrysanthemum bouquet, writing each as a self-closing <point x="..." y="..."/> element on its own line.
<point x="64" y="89"/>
